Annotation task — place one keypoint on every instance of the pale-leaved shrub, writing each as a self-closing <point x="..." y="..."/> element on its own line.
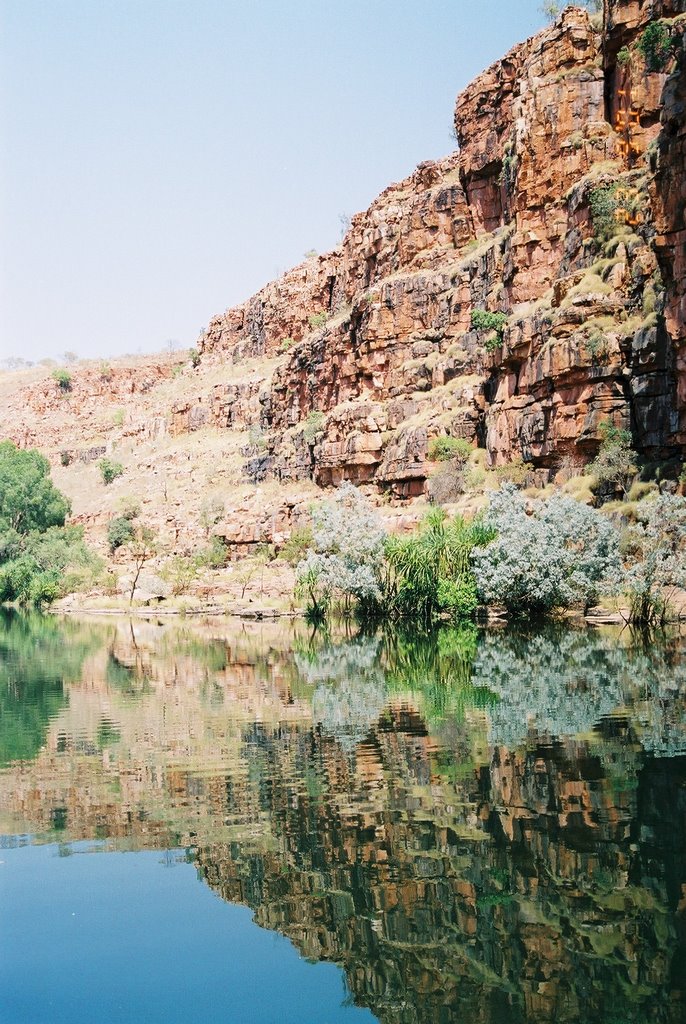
<point x="659" y="540"/>
<point x="347" y="552"/>
<point x="546" y="555"/>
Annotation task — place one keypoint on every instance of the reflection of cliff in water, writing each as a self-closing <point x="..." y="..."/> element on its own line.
<point x="479" y="828"/>
<point x="539" y="889"/>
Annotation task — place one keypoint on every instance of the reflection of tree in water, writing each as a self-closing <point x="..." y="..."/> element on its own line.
<point x="38" y="655"/>
<point x="563" y="682"/>
<point x="654" y="683"/>
<point x="436" y="668"/>
<point x="349" y="688"/>
<point x="354" y="680"/>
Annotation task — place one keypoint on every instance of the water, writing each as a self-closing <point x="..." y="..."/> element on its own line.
<point x="252" y="824"/>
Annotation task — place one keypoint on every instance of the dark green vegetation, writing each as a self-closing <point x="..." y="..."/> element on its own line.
<point x="63" y="379"/>
<point x="429" y="572"/>
<point x="655" y="45"/>
<point x="110" y="470"/>
<point x="40" y="558"/>
<point x="482" y="320"/>
<point x="448" y="817"/>
<point x="603" y="203"/>
<point x="119" y="532"/>
<point x="444" y="449"/>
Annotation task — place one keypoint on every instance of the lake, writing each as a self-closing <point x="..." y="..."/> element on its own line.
<point x="247" y="823"/>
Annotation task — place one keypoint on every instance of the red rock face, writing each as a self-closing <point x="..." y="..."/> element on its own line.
<point x="378" y="350"/>
<point x="669" y="195"/>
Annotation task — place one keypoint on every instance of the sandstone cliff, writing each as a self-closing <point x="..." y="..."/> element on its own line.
<point x="378" y="333"/>
<point x="562" y="209"/>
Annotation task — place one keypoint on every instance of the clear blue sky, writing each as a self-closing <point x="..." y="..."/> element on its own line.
<point x="161" y="160"/>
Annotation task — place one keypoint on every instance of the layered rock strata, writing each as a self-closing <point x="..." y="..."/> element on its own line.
<point x="562" y="209"/>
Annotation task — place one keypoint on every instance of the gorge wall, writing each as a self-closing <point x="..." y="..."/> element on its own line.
<point x="563" y="208"/>
<point x="562" y="211"/>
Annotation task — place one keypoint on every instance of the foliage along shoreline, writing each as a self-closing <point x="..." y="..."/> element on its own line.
<point x="531" y="558"/>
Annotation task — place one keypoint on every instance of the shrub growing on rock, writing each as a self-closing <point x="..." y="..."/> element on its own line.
<point x="211" y="511"/>
<point x="119" y="532"/>
<point x="347" y="554"/>
<point x="110" y="470"/>
<point x="314" y="425"/>
<point x="603" y="203"/>
<point x="62" y="378"/>
<point x="317" y="320"/>
<point x="482" y="320"/>
<point x="546" y="555"/>
<point x="615" y="465"/>
<point x="443" y="449"/>
<point x="654" y="45"/>
<point x="297" y="545"/>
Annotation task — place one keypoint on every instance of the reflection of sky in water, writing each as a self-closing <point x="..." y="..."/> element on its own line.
<point x="126" y="938"/>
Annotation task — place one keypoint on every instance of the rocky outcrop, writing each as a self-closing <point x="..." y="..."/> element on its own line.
<point x="669" y="193"/>
<point x="563" y="209"/>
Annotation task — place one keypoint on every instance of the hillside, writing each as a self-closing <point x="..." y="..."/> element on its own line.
<point x="562" y="209"/>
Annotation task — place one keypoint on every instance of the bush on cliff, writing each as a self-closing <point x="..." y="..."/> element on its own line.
<point x="655" y="45"/>
<point x="444" y="448"/>
<point x="119" y="532"/>
<point x="483" y="320"/>
<point x="62" y="378"/>
<point x="614" y="467"/>
<point x="109" y="470"/>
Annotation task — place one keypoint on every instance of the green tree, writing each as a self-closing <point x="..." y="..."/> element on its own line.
<point x="119" y="532"/>
<point x="28" y="498"/>
<point x="429" y="572"/>
<point x="615" y="464"/>
<point x="40" y="557"/>
<point x="142" y="547"/>
<point x="655" y="45"/>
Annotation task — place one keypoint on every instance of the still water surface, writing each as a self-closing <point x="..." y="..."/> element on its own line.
<point x="224" y="823"/>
